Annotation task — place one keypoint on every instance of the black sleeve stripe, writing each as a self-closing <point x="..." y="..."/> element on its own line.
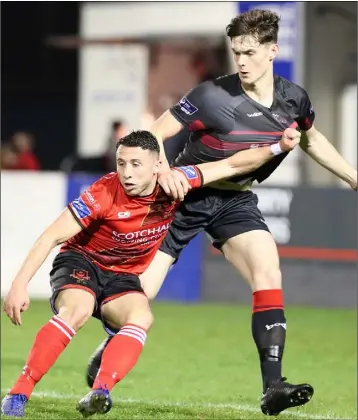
<point x="75" y="217"/>
<point x="201" y="175"/>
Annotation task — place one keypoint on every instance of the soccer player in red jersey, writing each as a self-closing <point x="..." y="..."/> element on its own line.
<point x="110" y="235"/>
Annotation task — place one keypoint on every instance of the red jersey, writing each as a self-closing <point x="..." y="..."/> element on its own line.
<point x="122" y="233"/>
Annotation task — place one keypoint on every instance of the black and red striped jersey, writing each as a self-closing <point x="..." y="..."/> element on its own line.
<point x="223" y="119"/>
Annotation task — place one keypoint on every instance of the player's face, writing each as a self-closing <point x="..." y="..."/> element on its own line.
<point x="137" y="170"/>
<point x="253" y="60"/>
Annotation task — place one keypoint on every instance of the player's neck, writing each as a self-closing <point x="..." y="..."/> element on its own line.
<point x="149" y="190"/>
<point x="261" y="91"/>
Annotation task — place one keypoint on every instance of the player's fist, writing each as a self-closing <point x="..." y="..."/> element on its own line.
<point x="16" y="301"/>
<point x="290" y="139"/>
<point x="353" y="180"/>
<point x="174" y="183"/>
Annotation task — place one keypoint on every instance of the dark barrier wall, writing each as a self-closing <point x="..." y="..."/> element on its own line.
<point x="316" y="234"/>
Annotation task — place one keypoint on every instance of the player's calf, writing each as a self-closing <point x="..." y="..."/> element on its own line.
<point x="267" y="279"/>
<point x="269" y="332"/>
<point x="95" y="361"/>
<point x="131" y="308"/>
<point x="52" y="339"/>
<point x="131" y="313"/>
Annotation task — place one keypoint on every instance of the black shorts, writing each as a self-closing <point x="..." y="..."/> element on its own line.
<point x="222" y="214"/>
<point x="71" y="269"/>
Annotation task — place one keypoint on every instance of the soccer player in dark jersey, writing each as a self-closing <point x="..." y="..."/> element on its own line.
<point x="226" y="115"/>
<point x="109" y="234"/>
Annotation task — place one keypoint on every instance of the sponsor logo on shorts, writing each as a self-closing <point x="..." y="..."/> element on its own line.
<point x="81" y="276"/>
<point x="123" y="214"/>
<point x="311" y="109"/>
<point x="189" y="171"/>
<point x="187" y="107"/>
<point x="278" y="324"/>
<point x="80" y="208"/>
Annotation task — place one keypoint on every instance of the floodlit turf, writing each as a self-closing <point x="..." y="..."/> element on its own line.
<point x="199" y="363"/>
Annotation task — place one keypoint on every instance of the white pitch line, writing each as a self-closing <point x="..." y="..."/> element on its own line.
<point x="239" y="407"/>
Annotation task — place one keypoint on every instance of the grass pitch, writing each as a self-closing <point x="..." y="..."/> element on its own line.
<point x="199" y="362"/>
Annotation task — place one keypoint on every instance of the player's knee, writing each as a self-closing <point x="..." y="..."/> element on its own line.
<point x="75" y="307"/>
<point x="267" y="279"/>
<point x="141" y="317"/>
<point x="76" y="316"/>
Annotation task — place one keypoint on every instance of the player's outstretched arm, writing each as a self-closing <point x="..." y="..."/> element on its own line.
<point x="62" y="229"/>
<point x="163" y="128"/>
<point x="153" y="277"/>
<point x="316" y="145"/>
<point x="247" y="161"/>
<point x="173" y="183"/>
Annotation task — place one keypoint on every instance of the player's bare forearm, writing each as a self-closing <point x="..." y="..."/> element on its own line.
<point x="316" y="145"/>
<point x="62" y="229"/>
<point x="36" y="257"/>
<point x="163" y="128"/>
<point x="239" y="164"/>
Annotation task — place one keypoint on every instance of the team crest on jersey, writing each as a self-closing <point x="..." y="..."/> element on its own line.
<point x="81" y="276"/>
<point x="159" y="211"/>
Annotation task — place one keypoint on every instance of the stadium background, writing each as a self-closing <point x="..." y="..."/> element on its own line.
<point x="70" y="70"/>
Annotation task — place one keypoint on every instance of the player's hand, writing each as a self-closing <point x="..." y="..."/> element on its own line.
<point x="353" y="185"/>
<point x="353" y="182"/>
<point x="16" y="301"/>
<point x="290" y="139"/>
<point x="174" y="183"/>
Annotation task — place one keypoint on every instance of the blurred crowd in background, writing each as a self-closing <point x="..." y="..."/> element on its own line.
<point x="19" y="151"/>
<point x="53" y="98"/>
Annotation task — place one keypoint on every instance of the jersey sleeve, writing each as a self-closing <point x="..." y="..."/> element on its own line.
<point x="196" y="110"/>
<point x="91" y="205"/>
<point x="306" y="113"/>
<point x="192" y="173"/>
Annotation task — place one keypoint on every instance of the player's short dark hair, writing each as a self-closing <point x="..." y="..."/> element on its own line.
<point x="140" y="138"/>
<point x="262" y="24"/>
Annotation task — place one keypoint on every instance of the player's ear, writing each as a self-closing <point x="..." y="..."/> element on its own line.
<point x="156" y="167"/>
<point x="273" y="51"/>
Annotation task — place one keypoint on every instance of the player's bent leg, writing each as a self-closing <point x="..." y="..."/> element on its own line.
<point x="151" y="281"/>
<point x="132" y="316"/>
<point x="95" y="361"/>
<point x="73" y="307"/>
<point x="153" y="277"/>
<point x="255" y="255"/>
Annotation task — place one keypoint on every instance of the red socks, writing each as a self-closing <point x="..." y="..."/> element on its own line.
<point x="49" y="343"/>
<point x="265" y="300"/>
<point x="120" y="356"/>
